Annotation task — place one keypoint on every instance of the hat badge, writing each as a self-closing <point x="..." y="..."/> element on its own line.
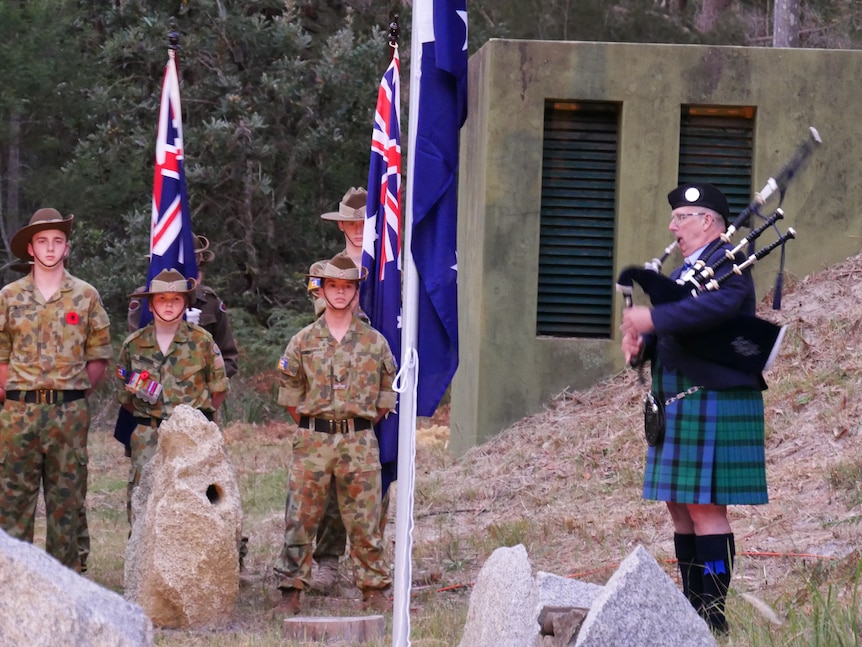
<point x="692" y="194"/>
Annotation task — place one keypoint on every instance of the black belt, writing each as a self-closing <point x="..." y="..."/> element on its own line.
<point x="46" y="396"/>
<point x="326" y="426"/>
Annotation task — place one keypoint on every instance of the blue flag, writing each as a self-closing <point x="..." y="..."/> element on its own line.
<point x="171" y="239"/>
<point x="442" y="111"/>
<point x="380" y="297"/>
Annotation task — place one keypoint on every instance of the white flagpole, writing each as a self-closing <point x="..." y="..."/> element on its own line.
<point x="422" y="27"/>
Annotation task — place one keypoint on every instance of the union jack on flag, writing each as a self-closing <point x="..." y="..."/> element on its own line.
<point x="380" y="296"/>
<point x="171" y="238"/>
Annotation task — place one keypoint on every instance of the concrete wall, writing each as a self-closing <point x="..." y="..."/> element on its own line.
<point x="506" y="371"/>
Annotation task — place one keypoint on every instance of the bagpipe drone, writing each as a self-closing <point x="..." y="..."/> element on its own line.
<point x="746" y="342"/>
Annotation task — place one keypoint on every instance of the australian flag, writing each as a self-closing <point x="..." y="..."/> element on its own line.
<point x="171" y="240"/>
<point x="442" y="111"/>
<point x="380" y="296"/>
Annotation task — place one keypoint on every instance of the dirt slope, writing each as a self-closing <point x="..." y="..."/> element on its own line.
<point x="566" y="482"/>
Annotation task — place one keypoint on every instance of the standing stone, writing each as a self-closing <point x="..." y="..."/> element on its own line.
<point x="182" y="559"/>
<point x="44" y="603"/>
<point x="502" y="604"/>
<point x="640" y="606"/>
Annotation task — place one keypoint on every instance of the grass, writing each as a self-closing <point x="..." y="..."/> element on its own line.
<point x="818" y="602"/>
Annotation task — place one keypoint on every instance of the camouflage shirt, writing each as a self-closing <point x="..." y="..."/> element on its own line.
<point x="191" y="371"/>
<point x="323" y="377"/>
<point x="47" y="344"/>
<point x="213" y="319"/>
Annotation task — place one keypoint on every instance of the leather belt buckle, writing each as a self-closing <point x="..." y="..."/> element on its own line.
<point x="46" y="396"/>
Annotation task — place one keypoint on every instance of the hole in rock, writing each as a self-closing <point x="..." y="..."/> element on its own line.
<point x="214" y="493"/>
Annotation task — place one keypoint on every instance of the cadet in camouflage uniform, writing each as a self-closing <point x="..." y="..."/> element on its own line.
<point x="154" y="368"/>
<point x="331" y="535"/>
<point x="24" y="267"/>
<point x="207" y="310"/>
<point x="336" y="380"/>
<point x="45" y="417"/>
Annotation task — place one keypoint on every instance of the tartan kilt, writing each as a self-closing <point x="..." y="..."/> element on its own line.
<point x="713" y="450"/>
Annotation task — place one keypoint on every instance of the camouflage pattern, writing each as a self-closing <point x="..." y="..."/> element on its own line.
<point x="143" y="443"/>
<point x="49" y="440"/>
<point x="347" y="379"/>
<point x="47" y="443"/>
<point x="190" y="373"/>
<point x="352" y="460"/>
<point x="73" y="325"/>
<point x="331" y="534"/>
<point x="213" y="319"/>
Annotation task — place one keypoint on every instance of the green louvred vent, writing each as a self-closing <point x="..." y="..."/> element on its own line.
<point x="578" y="218"/>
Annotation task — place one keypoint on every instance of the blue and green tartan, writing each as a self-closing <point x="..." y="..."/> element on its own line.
<point x="713" y="449"/>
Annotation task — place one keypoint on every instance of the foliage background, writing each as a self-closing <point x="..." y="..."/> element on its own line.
<point x="277" y="103"/>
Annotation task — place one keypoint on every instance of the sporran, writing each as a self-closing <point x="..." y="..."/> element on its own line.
<point x="654" y="421"/>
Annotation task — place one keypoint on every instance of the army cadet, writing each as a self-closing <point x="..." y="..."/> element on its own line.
<point x="207" y="310"/>
<point x="351" y="222"/>
<point x="166" y="363"/>
<point x="336" y="381"/>
<point x="24" y="267"/>
<point x="331" y="535"/>
<point x="54" y="346"/>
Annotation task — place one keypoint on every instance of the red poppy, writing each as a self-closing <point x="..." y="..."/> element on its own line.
<point x="145" y="375"/>
<point x="72" y="318"/>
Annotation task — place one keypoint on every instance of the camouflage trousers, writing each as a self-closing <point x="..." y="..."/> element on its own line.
<point x="44" y="444"/>
<point x="143" y="443"/>
<point x="331" y="535"/>
<point x="352" y="462"/>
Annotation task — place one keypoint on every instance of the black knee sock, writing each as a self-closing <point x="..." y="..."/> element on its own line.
<point x="690" y="569"/>
<point x="716" y="553"/>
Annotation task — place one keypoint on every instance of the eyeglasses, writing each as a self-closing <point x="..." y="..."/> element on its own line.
<point x="679" y="217"/>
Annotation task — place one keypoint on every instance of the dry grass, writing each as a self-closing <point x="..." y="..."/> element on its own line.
<point x="566" y="484"/>
<point x="573" y="472"/>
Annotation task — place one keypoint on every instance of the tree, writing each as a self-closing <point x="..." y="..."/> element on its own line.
<point x="41" y="105"/>
<point x="276" y="127"/>
<point x="711" y="11"/>
<point x="785" y="30"/>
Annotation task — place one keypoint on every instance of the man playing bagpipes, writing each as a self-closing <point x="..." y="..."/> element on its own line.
<point x="712" y="452"/>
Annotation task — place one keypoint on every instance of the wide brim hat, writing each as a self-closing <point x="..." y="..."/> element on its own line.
<point x="202" y="250"/>
<point x="42" y="220"/>
<point x="340" y="267"/>
<point x="699" y="194"/>
<point x="168" y="281"/>
<point x="351" y="208"/>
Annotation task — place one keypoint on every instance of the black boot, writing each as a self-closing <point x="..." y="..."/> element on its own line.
<point x="690" y="569"/>
<point x="716" y="553"/>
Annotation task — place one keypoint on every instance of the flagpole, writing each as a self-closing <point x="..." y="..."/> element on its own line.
<point x="409" y="358"/>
